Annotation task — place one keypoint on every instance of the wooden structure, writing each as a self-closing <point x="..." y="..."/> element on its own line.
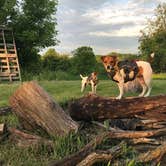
<point x="9" y="65"/>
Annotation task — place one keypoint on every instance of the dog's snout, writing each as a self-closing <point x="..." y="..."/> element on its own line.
<point x="108" y="67"/>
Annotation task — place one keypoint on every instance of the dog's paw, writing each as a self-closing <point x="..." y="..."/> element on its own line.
<point x="141" y="95"/>
<point x="118" y="97"/>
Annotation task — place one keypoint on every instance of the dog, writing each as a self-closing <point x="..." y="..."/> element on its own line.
<point x="129" y="74"/>
<point x="89" y="80"/>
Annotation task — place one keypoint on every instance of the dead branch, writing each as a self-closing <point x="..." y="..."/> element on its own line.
<point x="23" y="139"/>
<point x="102" y="156"/>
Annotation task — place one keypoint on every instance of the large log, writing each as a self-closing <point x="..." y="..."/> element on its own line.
<point x="98" y="108"/>
<point x="37" y="110"/>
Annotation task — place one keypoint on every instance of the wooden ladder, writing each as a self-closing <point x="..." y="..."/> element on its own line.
<point x="9" y="65"/>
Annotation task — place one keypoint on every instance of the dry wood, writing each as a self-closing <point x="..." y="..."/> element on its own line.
<point x="23" y="139"/>
<point x="155" y="154"/>
<point x="98" y="108"/>
<point x="82" y="153"/>
<point x="35" y="109"/>
<point x="102" y="156"/>
<point x="150" y="141"/>
<point x="90" y="147"/>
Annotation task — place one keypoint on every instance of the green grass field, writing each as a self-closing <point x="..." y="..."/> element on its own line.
<point x="62" y="91"/>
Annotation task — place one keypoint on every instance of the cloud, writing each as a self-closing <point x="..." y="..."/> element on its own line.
<point x="102" y="24"/>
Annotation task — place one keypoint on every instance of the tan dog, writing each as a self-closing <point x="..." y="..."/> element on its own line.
<point x="89" y="80"/>
<point x="127" y="73"/>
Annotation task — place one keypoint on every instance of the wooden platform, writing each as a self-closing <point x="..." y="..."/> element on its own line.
<point x="9" y="65"/>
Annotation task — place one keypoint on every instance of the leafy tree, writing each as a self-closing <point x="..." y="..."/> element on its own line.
<point x="53" y="61"/>
<point x="33" y="23"/>
<point x="153" y="39"/>
<point x="83" y="60"/>
<point x="7" y="10"/>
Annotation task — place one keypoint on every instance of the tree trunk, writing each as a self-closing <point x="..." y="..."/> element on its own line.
<point x="37" y="110"/>
<point x="97" y="108"/>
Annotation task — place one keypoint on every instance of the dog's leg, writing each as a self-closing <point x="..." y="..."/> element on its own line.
<point x="82" y="86"/>
<point x="144" y="86"/>
<point x="148" y="92"/>
<point x="121" y="90"/>
<point x="95" y="87"/>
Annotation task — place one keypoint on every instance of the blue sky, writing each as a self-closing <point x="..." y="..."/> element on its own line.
<point x="105" y="25"/>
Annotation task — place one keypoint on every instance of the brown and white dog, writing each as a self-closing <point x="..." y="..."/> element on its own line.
<point x="89" y="80"/>
<point x="129" y="73"/>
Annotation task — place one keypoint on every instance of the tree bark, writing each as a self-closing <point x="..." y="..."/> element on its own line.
<point x="102" y="156"/>
<point x="155" y="154"/>
<point x="98" y="108"/>
<point x="36" y="110"/>
<point x="24" y="140"/>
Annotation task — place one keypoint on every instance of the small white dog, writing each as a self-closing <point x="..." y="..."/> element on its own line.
<point x="89" y="80"/>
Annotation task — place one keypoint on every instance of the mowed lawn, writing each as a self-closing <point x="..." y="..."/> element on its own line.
<point x="62" y="91"/>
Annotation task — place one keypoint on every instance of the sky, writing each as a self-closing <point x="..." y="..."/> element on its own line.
<point x="105" y="25"/>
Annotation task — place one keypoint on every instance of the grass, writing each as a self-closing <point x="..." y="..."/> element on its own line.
<point x="62" y="92"/>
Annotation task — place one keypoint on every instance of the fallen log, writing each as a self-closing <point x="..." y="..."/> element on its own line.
<point x="22" y="139"/>
<point x="98" y="108"/>
<point x="102" y="156"/>
<point x="36" y="110"/>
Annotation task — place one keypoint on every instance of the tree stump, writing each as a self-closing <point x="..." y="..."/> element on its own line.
<point x="37" y="110"/>
<point x="99" y="108"/>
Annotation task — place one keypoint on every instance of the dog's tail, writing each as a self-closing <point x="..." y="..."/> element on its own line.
<point x="151" y="57"/>
<point x="81" y="76"/>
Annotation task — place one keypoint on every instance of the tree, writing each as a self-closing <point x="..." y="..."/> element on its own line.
<point x="33" y="23"/>
<point x="7" y="10"/>
<point x="53" y="61"/>
<point x="153" y="39"/>
<point x="83" y="60"/>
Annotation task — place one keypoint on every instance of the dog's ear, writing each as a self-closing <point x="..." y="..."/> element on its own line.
<point x="81" y="76"/>
<point x="102" y="58"/>
<point x="95" y="73"/>
<point x="115" y="57"/>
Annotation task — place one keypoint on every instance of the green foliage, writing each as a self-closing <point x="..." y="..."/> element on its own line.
<point x="7" y="11"/>
<point x="153" y="39"/>
<point x="34" y="26"/>
<point x="83" y="61"/>
<point x="53" y="61"/>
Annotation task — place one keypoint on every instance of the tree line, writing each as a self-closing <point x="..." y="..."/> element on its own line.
<point x="35" y="27"/>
